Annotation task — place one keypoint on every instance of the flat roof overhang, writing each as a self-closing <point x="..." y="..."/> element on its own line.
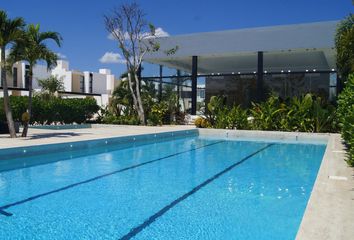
<point x="291" y="47"/>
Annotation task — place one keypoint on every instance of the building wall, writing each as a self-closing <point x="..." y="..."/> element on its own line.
<point x="103" y="82"/>
<point x="39" y="72"/>
<point x="76" y="82"/>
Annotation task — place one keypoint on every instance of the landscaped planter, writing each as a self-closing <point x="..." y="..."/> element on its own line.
<point x="4" y="129"/>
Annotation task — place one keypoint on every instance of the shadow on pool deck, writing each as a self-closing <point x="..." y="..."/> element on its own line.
<point x="57" y="135"/>
<point x="46" y="135"/>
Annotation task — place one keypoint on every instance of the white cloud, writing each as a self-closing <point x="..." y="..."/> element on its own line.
<point x="159" y="32"/>
<point x="111" y="57"/>
<point x="61" y="56"/>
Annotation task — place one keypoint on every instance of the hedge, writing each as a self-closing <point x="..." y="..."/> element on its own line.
<point x="54" y="110"/>
<point x="346" y="116"/>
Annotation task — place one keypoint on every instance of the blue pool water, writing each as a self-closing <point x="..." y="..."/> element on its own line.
<point x="186" y="188"/>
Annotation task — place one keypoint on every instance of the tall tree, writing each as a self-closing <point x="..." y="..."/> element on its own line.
<point x="10" y="32"/>
<point x="33" y="49"/>
<point x="135" y="37"/>
<point x="344" y="41"/>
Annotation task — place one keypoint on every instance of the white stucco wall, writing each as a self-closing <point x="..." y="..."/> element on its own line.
<point x="39" y="72"/>
<point x="62" y="71"/>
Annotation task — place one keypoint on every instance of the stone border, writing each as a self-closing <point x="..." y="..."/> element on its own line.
<point x="252" y="135"/>
<point x="330" y="210"/>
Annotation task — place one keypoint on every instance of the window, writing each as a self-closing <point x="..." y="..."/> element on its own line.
<point x="27" y="77"/>
<point x="201" y="93"/>
<point x="14" y="76"/>
<point x="91" y="83"/>
<point x="82" y="84"/>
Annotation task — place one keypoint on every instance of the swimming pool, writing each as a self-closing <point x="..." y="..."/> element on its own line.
<point x="158" y="187"/>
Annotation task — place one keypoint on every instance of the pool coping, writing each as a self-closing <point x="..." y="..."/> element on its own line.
<point x="329" y="211"/>
<point x="126" y="140"/>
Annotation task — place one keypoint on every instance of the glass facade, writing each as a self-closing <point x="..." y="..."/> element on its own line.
<point x="242" y="89"/>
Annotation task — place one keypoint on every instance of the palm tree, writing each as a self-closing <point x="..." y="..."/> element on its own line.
<point x="33" y="49"/>
<point x="10" y="32"/>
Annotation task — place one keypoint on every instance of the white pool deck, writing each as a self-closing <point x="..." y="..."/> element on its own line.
<point x="330" y="210"/>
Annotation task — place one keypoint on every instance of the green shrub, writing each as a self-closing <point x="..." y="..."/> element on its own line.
<point x="158" y="113"/>
<point x="121" y="120"/>
<point x="305" y="114"/>
<point x="205" y="123"/>
<point x="268" y="115"/>
<point x="47" y="111"/>
<point x="237" y="118"/>
<point x="346" y="116"/>
<point x="201" y="122"/>
<point x="198" y="122"/>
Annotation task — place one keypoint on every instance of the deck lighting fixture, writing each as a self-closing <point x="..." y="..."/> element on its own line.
<point x="282" y="71"/>
<point x="314" y="70"/>
<point x="212" y="73"/>
<point x="254" y="72"/>
<point x="232" y="73"/>
<point x="333" y="70"/>
<point x="265" y="71"/>
<point x="289" y="71"/>
<point x="239" y="72"/>
<point x="218" y="73"/>
<point x="307" y="70"/>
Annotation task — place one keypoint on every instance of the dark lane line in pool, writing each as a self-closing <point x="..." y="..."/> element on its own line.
<point x="162" y="211"/>
<point x="2" y="212"/>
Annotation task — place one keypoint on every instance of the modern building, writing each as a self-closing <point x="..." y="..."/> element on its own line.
<point x="77" y="84"/>
<point x="84" y="83"/>
<point x="247" y="64"/>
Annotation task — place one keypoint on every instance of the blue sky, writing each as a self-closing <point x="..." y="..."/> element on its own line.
<point x="85" y="38"/>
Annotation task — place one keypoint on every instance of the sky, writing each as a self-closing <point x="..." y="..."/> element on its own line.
<point x="87" y="47"/>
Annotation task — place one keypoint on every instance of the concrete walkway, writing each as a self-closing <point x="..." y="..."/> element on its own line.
<point x="330" y="211"/>
<point x="48" y="136"/>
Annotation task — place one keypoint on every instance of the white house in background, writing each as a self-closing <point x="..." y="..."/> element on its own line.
<point x="77" y="84"/>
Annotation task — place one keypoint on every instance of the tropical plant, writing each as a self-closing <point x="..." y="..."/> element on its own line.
<point x="201" y="122"/>
<point x="32" y="49"/>
<point x="127" y="25"/>
<point x="122" y="100"/>
<point x="157" y="114"/>
<point x="344" y="41"/>
<point x="215" y="105"/>
<point x="237" y="118"/>
<point x="297" y="115"/>
<point x="51" y="85"/>
<point x="10" y="32"/>
<point x="267" y="115"/>
<point x="307" y="114"/>
<point x="346" y="116"/>
<point x="169" y="96"/>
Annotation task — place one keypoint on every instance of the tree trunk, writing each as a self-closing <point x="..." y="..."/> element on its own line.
<point x="136" y="99"/>
<point x="140" y="102"/>
<point x="29" y="108"/>
<point x="7" y="106"/>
